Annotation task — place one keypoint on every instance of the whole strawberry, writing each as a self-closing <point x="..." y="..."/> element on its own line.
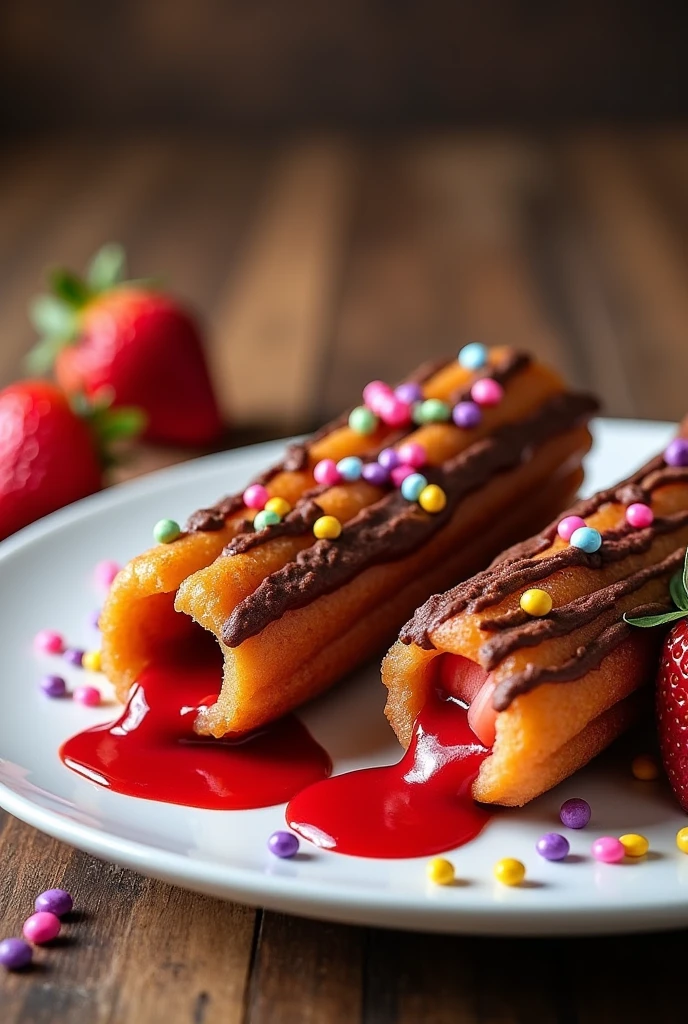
<point x="104" y="334"/>
<point x="671" y="694"/>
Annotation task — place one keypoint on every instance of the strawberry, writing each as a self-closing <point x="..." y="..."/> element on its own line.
<point x="49" y="455"/>
<point x="128" y="338"/>
<point x="671" y="694"/>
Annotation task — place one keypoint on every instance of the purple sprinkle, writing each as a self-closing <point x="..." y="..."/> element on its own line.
<point x="409" y="392"/>
<point x="466" y="414"/>
<point x="55" y="901"/>
<point x="94" y="619"/>
<point x="15" y="954"/>
<point x="388" y="458"/>
<point x="575" y="813"/>
<point x="676" y="452"/>
<point x="283" y="844"/>
<point x="375" y="474"/>
<point x="74" y="656"/>
<point x="552" y="846"/>
<point x="53" y="686"/>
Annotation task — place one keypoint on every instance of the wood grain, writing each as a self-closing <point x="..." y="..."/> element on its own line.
<point x="318" y="265"/>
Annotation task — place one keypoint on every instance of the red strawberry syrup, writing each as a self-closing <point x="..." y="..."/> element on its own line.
<point x="152" y="751"/>
<point x="416" y="808"/>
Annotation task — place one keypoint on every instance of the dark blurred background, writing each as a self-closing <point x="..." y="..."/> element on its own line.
<point x="343" y="189"/>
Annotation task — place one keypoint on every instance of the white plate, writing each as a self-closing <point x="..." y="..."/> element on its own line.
<point x="46" y="574"/>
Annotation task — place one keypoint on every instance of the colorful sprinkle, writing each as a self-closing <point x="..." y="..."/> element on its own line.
<point x="432" y="498"/>
<point x="487" y="392"/>
<point x="279" y="505"/>
<point x="393" y="412"/>
<point x="553" y="846"/>
<point x="536" y="602"/>
<point x="374" y="391"/>
<point x="15" y="954"/>
<point x="47" y="641"/>
<point x="166" y="531"/>
<point x="682" y="840"/>
<point x="575" y="813"/>
<point x="587" y="539"/>
<point x="413" y="485"/>
<point x="350" y="468"/>
<point x="645" y="768"/>
<point x="440" y="871"/>
<point x="639" y="515"/>
<point x="432" y="410"/>
<point x="608" y="850"/>
<point x="55" y="901"/>
<point x="413" y="454"/>
<point x="375" y="474"/>
<point x="409" y="392"/>
<point x="363" y="420"/>
<point x="676" y="452"/>
<point x="255" y="496"/>
<point x="327" y="528"/>
<point x="265" y="518"/>
<point x="283" y="844"/>
<point x="53" y="686"/>
<point x="42" y="927"/>
<point x="104" y="573"/>
<point x="91" y="661"/>
<point x="399" y="474"/>
<point x="389" y="458"/>
<point x="75" y="656"/>
<point x="634" y="845"/>
<point x="466" y="415"/>
<point x="89" y="696"/>
<point x="325" y="472"/>
<point x="509" y="871"/>
<point x="473" y="356"/>
<point x="568" y="526"/>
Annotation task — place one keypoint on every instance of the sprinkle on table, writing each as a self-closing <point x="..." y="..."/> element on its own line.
<point x="56" y="901"/>
<point x="91" y="661"/>
<point x="575" y="813"/>
<point x="553" y="846"/>
<point x="89" y="696"/>
<point x="634" y="845"/>
<point x="53" y="686"/>
<point x="15" y="954"/>
<point x="42" y="927"/>
<point x="104" y="573"/>
<point x="283" y="844"/>
<point x="509" y="871"/>
<point x="608" y="850"/>
<point x="47" y="641"/>
<point x="645" y="768"/>
<point x="682" y="840"/>
<point x="440" y="871"/>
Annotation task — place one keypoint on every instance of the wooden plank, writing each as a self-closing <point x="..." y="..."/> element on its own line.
<point x="643" y="258"/>
<point x="134" y="950"/>
<point x="274" y="317"/>
<point x="305" y="972"/>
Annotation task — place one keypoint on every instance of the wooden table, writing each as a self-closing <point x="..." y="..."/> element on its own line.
<point x="320" y="265"/>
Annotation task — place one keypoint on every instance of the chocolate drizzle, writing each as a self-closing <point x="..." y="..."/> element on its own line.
<point x="392" y="528"/>
<point x="295" y="524"/>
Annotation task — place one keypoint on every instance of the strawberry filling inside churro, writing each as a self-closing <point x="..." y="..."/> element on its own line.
<point x="467" y="682"/>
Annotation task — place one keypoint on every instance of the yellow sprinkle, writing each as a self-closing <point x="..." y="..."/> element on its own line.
<point x="91" y="661"/>
<point x="432" y="498"/>
<point x="279" y="505"/>
<point x="509" y="871"/>
<point x="327" y="528"/>
<point x="634" y="845"/>
<point x="536" y="602"/>
<point x="645" y="767"/>
<point x="682" y="839"/>
<point x="440" y="871"/>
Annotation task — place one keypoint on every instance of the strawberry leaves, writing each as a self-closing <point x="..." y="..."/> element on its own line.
<point x="107" y="268"/>
<point x="109" y="425"/>
<point x="678" y="588"/>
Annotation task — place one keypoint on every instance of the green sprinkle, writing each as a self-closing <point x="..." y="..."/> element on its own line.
<point x="166" y="530"/>
<point x="432" y="410"/>
<point x="266" y="518"/>
<point x="363" y="420"/>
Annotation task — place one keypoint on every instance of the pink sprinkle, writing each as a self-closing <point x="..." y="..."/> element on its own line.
<point x="255" y="496"/>
<point x="326" y="472"/>
<point x="413" y="454"/>
<point x="104" y="573"/>
<point x="487" y="392"/>
<point x="393" y="412"/>
<point x="568" y="526"/>
<point x="639" y="515"/>
<point x="374" y="393"/>
<point x="89" y="696"/>
<point x="41" y="927"/>
<point x="608" y="850"/>
<point x="399" y="474"/>
<point x="47" y="641"/>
